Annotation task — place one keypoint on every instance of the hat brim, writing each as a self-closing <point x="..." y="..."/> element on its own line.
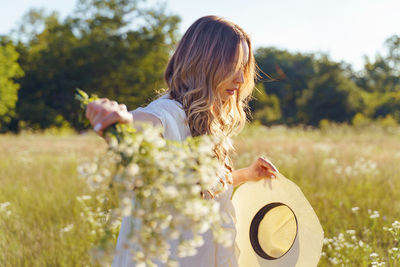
<point x="250" y="197"/>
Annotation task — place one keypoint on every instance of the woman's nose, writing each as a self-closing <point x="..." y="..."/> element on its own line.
<point x="239" y="77"/>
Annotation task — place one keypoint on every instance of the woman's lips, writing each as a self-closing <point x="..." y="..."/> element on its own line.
<point x="231" y="91"/>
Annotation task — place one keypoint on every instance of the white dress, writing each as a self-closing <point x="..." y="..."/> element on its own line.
<point x="211" y="254"/>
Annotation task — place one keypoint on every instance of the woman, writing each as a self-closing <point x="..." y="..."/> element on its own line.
<point x="210" y="79"/>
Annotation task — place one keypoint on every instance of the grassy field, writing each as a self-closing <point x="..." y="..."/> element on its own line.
<point x="350" y="176"/>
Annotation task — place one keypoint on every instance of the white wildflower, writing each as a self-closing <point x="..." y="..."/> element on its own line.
<point x="374" y="215"/>
<point x="158" y="184"/>
<point x="86" y="169"/>
<point x="330" y="162"/>
<point x="127" y="206"/>
<point x="355" y="209"/>
<point x="132" y="169"/>
<point x="351" y="232"/>
<point x="322" y="147"/>
<point x="373" y="255"/>
<point x="396" y="225"/>
<point x="171" y="191"/>
<point x="334" y="260"/>
<point x="185" y="249"/>
<point x="83" y="198"/>
<point x="3" y="206"/>
<point x="348" y="170"/>
<point x="67" y="228"/>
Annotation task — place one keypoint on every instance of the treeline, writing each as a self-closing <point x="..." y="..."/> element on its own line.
<point x="119" y="49"/>
<point x="113" y="48"/>
<point x="310" y="88"/>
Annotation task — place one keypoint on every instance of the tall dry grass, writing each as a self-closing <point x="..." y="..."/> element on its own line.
<point x="38" y="178"/>
<point x="351" y="176"/>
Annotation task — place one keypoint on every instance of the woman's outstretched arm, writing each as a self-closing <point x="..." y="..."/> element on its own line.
<point x="104" y="112"/>
<point x="240" y="176"/>
<point x="261" y="168"/>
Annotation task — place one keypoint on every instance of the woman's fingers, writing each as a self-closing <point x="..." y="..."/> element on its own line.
<point x="268" y="174"/>
<point x="261" y="168"/>
<point x="111" y="118"/>
<point x="103" y="113"/>
<point x="93" y="108"/>
<point x="89" y="111"/>
<point x="123" y="107"/>
<point x="267" y="164"/>
<point x="266" y="168"/>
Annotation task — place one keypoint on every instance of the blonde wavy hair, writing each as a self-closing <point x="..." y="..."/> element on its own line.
<point x="208" y="54"/>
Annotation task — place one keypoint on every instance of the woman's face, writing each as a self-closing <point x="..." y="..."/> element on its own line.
<point x="230" y="86"/>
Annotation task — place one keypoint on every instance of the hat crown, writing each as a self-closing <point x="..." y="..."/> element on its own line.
<point x="273" y="230"/>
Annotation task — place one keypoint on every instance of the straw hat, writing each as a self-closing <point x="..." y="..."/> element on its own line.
<point x="276" y="225"/>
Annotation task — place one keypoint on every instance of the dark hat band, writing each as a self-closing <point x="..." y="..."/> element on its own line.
<point x="254" y="227"/>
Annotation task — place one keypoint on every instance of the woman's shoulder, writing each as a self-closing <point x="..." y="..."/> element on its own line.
<point x="171" y="115"/>
<point x="165" y="106"/>
<point x="165" y="101"/>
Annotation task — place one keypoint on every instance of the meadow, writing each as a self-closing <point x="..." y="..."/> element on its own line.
<point x="351" y="176"/>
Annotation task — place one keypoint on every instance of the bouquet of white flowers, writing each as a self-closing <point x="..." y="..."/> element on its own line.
<point x="159" y="184"/>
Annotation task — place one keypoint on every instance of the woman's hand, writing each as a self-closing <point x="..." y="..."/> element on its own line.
<point x="103" y="113"/>
<point x="261" y="168"/>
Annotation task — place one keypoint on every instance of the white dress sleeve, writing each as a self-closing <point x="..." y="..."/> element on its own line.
<point x="171" y="115"/>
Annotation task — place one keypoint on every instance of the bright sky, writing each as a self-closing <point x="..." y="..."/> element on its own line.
<point x="346" y="29"/>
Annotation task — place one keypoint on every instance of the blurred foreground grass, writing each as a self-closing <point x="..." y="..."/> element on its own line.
<point x="350" y="176"/>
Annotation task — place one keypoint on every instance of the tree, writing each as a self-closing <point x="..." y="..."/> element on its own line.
<point x="265" y="107"/>
<point x="9" y="70"/>
<point x="309" y="87"/>
<point x="380" y="80"/>
<point x="285" y="75"/>
<point x="114" y="48"/>
<point x="393" y="53"/>
<point x="330" y="95"/>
